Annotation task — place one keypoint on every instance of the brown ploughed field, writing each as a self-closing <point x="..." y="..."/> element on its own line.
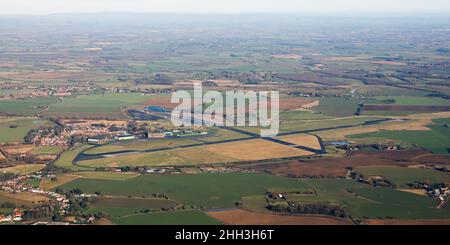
<point x="244" y="217"/>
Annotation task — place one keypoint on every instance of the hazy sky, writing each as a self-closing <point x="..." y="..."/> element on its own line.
<point x="221" y="6"/>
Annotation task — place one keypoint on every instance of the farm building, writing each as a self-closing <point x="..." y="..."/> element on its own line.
<point x="98" y="140"/>
<point x="124" y="137"/>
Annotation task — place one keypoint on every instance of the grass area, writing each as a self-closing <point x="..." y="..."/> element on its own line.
<point x="141" y="145"/>
<point x="135" y="203"/>
<point x="300" y="125"/>
<point x="33" y="182"/>
<point x="207" y="154"/>
<point x="389" y="203"/>
<point x="23" y="169"/>
<point x="339" y="106"/>
<point x="412" y="100"/>
<point x="107" y="175"/>
<point x="48" y="184"/>
<point x="25" y="107"/>
<point x="15" y="129"/>
<point x="257" y="203"/>
<point x="301" y="115"/>
<point x="168" y="218"/>
<point x="216" y="135"/>
<point x="27" y="199"/>
<point x="403" y="176"/>
<point x="442" y="121"/>
<point x="115" y="212"/>
<point x="207" y="190"/>
<point x="390" y="113"/>
<point x="324" y="123"/>
<point x="380" y="90"/>
<point x="363" y="201"/>
<point x="98" y="103"/>
<point x="163" y="158"/>
<point x="436" y="140"/>
<point x="66" y="158"/>
<point x="53" y="150"/>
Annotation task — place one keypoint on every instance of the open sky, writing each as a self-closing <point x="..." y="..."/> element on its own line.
<point x="222" y="6"/>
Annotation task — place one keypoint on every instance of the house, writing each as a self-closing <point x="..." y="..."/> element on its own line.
<point x="17" y="213"/>
<point x="17" y="219"/>
<point x="8" y="218"/>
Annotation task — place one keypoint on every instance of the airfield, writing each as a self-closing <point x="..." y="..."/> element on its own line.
<point x="364" y="124"/>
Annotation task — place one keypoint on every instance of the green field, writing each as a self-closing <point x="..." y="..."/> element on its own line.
<point x="442" y="121"/>
<point x="118" y="207"/>
<point x="53" y="150"/>
<point x="98" y="103"/>
<point x="107" y="175"/>
<point x="168" y="218"/>
<point x="436" y="140"/>
<point x="66" y="158"/>
<point x="125" y="202"/>
<point x="412" y="100"/>
<point x="380" y="90"/>
<point x="33" y="182"/>
<point x="363" y="201"/>
<point x="339" y="107"/>
<point x="324" y="123"/>
<point x="23" y="169"/>
<point x="25" y="107"/>
<point x="295" y="115"/>
<point x="389" y="203"/>
<point x="115" y="212"/>
<point x="141" y="145"/>
<point x="163" y="158"/>
<point x="201" y="190"/>
<point x="15" y="129"/>
<point x="300" y="125"/>
<point x="403" y="176"/>
<point x="107" y="105"/>
<point x="216" y="135"/>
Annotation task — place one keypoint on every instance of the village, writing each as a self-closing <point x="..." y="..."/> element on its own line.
<point x="59" y="202"/>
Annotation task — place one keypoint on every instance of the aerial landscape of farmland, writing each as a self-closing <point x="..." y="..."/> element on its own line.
<point x="88" y="136"/>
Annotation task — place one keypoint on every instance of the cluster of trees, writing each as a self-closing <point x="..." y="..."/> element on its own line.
<point x="156" y="79"/>
<point x="39" y="212"/>
<point x="314" y="208"/>
<point x="160" y="195"/>
<point x="42" y="132"/>
<point x="389" y="101"/>
<point x="78" y="205"/>
<point x="7" y="205"/>
<point x="6" y="176"/>
<point x="359" y="109"/>
<point x="74" y="139"/>
<point x="251" y="79"/>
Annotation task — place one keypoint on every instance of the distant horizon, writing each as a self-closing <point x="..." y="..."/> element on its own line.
<point x="47" y="7"/>
<point x="306" y="14"/>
